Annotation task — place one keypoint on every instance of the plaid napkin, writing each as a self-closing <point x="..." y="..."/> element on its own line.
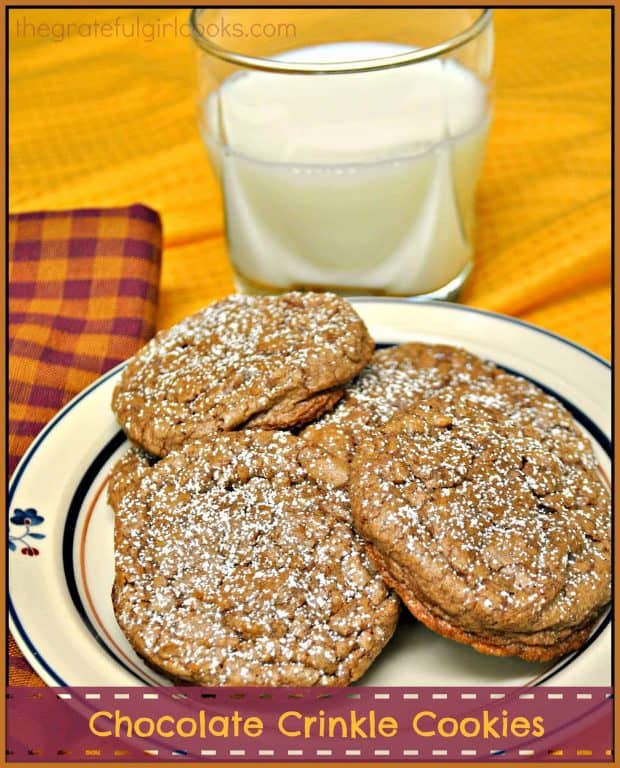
<point x="83" y="290"/>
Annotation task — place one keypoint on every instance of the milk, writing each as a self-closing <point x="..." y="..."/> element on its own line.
<point x="361" y="182"/>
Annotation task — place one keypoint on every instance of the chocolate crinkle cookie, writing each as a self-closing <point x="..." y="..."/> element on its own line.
<point x="485" y="509"/>
<point x="274" y="362"/>
<point x="232" y="568"/>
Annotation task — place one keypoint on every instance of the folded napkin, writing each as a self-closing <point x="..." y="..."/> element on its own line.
<point x="83" y="290"/>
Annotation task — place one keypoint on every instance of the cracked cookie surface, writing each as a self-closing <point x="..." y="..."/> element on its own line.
<point x="273" y="362"/>
<point x="485" y="509"/>
<point x="396" y="378"/>
<point x="232" y="568"/>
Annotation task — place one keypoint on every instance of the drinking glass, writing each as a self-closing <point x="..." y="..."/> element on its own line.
<point x="348" y="144"/>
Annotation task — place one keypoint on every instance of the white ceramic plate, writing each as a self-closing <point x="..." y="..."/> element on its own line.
<point x="59" y="597"/>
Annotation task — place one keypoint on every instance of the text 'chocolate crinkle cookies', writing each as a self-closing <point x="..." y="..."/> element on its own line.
<point x="485" y="510"/>
<point x="233" y="569"/>
<point x="274" y="362"/>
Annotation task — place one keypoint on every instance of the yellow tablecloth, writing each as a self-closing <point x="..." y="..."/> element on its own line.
<point x="109" y="120"/>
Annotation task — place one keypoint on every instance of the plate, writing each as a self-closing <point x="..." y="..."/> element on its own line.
<point x="61" y="528"/>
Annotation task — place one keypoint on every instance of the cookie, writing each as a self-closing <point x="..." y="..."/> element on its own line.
<point x="272" y="362"/>
<point x="485" y="510"/>
<point x="232" y="569"/>
<point x="395" y="378"/>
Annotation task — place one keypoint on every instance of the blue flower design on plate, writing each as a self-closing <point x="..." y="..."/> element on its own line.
<point x="27" y="518"/>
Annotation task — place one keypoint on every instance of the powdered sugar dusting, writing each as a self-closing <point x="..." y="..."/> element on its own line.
<point x="233" y="569"/>
<point x="487" y="501"/>
<point x="395" y="379"/>
<point x="399" y="376"/>
<point x="238" y="361"/>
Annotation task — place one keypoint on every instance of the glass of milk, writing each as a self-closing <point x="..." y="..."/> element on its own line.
<point x="348" y="144"/>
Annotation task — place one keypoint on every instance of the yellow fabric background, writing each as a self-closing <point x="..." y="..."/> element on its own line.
<point x="110" y="120"/>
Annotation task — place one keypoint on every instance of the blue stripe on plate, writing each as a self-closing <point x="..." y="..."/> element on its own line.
<point x="68" y="544"/>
